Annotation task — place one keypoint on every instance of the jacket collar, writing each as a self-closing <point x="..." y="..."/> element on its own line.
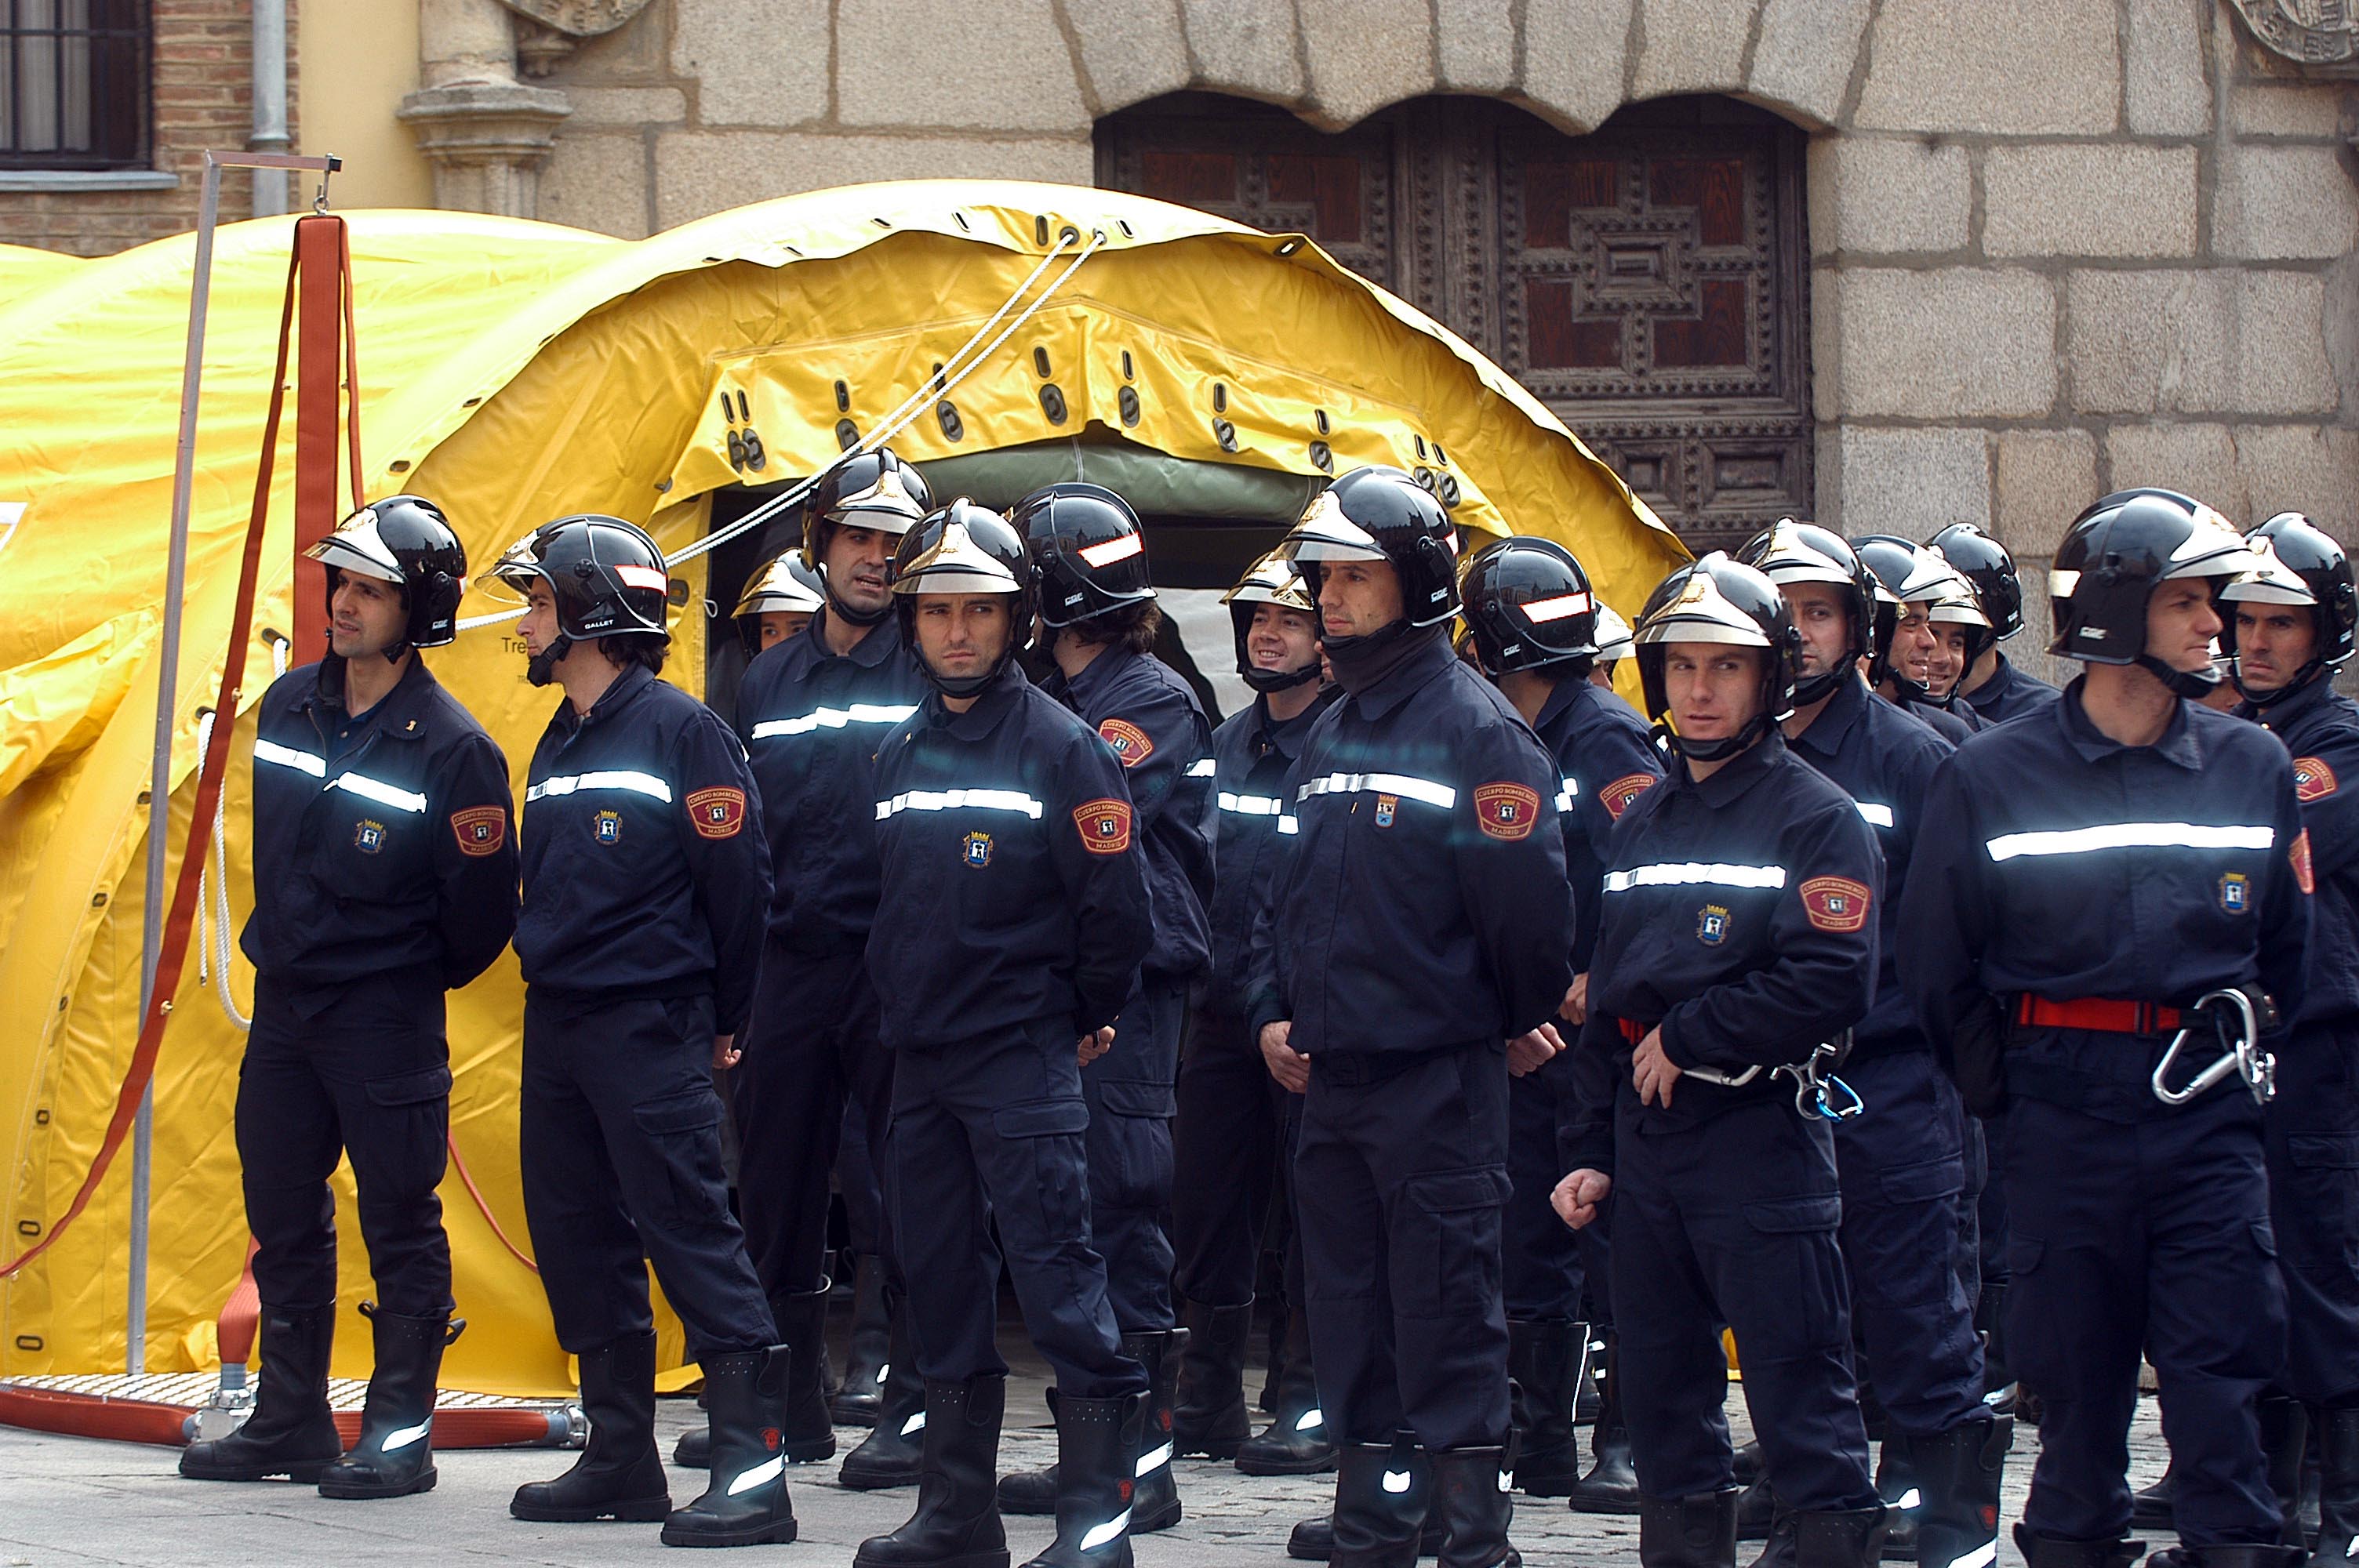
<point x="2289" y="710"/>
<point x="400" y="713"/>
<point x="884" y="641"/>
<point x="1732" y="782"/>
<point x="614" y="701"/>
<point x="1834" y="725"/>
<point x="2177" y="746"/>
<point x="1403" y="681"/>
<point x="1286" y="737"/>
<point x="996" y="701"/>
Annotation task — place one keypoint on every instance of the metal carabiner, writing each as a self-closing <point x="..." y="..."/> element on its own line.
<point x="1726" y="1080"/>
<point x="1814" y="1085"/>
<point x="2243" y="1056"/>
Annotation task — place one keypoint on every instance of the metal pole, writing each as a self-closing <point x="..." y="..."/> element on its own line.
<point x="167" y="671"/>
<point x="269" y="104"/>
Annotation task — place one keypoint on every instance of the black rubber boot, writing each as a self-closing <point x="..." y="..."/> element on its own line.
<point x="1209" y="1416"/>
<point x="1544" y="1367"/>
<point x="862" y="1395"/>
<point x="1688" y="1533"/>
<point x="2048" y="1551"/>
<point x="1097" y="1450"/>
<point x="694" y="1449"/>
<point x="1852" y="1538"/>
<point x="1296" y="1441"/>
<point x="1999" y="1391"/>
<point x="891" y="1454"/>
<point x="806" y="1432"/>
<point x="1611" y="1485"/>
<point x="291" y="1432"/>
<point x="619" y="1475"/>
<point x="1760" y="1516"/>
<point x="1383" y="1496"/>
<point x="1155" y="1502"/>
<point x="1586" y="1400"/>
<point x="1958" y="1475"/>
<point x="1904" y="1500"/>
<point x="394" y="1456"/>
<point x="2284" y="1443"/>
<point x="1473" y="1505"/>
<point x="2151" y="1506"/>
<point x="2338" y="1484"/>
<point x="957" y="1522"/>
<point x="1746" y="1463"/>
<point x="2236" y="1556"/>
<point x="746" y="1504"/>
<point x="1032" y="1492"/>
<point x="1313" y="1539"/>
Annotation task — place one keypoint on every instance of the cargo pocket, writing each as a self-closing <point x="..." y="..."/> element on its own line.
<point x="397" y="1149"/>
<point x="2320" y="1189"/>
<point x="683" y="1135"/>
<point x="1932" y="1180"/>
<point x="1448" y="1263"/>
<point x="1040" y="1161"/>
<point x="1132" y="1165"/>
<point x="1792" y="1272"/>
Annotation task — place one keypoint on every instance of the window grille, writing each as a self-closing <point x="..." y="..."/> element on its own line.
<point x="74" y="83"/>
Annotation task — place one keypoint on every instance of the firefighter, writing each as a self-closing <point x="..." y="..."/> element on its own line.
<point x="1738" y="946"/>
<point x="1012" y="920"/>
<point x="1534" y="620"/>
<point x="2107" y="897"/>
<point x="1909" y="579"/>
<point x="1992" y="686"/>
<point x="1962" y="631"/>
<point x="810" y="713"/>
<point x="1902" y="1165"/>
<point x="384" y="876"/>
<point x="1420" y="922"/>
<point x="1612" y="647"/>
<point x="1233" y="1125"/>
<point x="646" y="876"/>
<point x="2289" y="624"/>
<point x="779" y="602"/>
<point x="1099" y="619"/>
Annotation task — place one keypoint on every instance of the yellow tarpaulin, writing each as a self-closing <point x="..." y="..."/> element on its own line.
<point x="514" y="373"/>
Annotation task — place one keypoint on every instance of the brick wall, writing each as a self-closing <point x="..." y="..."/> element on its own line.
<point x="203" y="78"/>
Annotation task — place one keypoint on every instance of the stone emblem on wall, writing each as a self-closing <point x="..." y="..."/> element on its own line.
<point x="2314" y="33"/>
<point x="578" y="18"/>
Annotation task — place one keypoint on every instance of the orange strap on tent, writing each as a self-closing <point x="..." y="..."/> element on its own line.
<point x="467" y="1180"/>
<point x="176" y="925"/>
<point x="324" y="262"/>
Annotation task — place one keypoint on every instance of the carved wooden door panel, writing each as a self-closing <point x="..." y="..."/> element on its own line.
<point x="1647" y="282"/>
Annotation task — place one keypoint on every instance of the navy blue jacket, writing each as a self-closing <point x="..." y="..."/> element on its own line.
<point x="2320" y="727"/>
<point x="1248" y="766"/>
<point x="810" y="720"/>
<point x="1605" y="758"/>
<point x="645" y="869"/>
<point x="1151" y="720"/>
<point x="1884" y="759"/>
<point x="381" y="842"/>
<point x="1421" y="903"/>
<point x="1740" y="920"/>
<point x="1014" y="887"/>
<point x="2059" y="864"/>
<point x="2008" y="694"/>
<point x="1952" y="722"/>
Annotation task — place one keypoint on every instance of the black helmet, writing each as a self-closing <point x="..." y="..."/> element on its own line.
<point x="2113" y="558"/>
<point x="608" y="578"/>
<point x="966" y="548"/>
<point x="1380" y="513"/>
<point x="1906" y="572"/>
<point x="404" y="540"/>
<point x="1273" y="579"/>
<point x="1955" y="604"/>
<point x="868" y="490"/>
<point x="1716" y="600"/>
<point x="1529" y="605"/>
<point x="784" y="586"/>
<point x="2300" y="563"/>
<point x="1087" y="543"/>
<point x="1983" y="562"/>
<point x="1793" y="551"/>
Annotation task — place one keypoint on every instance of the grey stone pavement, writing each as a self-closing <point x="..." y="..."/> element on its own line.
<point x="76" y="1501"/>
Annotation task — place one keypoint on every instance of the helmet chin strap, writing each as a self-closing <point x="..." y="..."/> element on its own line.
<point x="1713" y="751"/>
<point x="1268" y="681"/>
<point x="857" y="617"/>
<point x="2193" y="684"/>
<point x="543" y="667"/>
<point x="1818" y="688"/>
<point x="2270" y="698"/>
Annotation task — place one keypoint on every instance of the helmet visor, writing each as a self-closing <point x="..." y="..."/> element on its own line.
<point x="956" y="564"/>
<point x="509" y="581"/>
<point x="1325" y="534"/>
<point x="886" y="506"/>
<point x="1701" y="613"/>
<point x="357" y="546"/>
<point x="2268" y="581"/>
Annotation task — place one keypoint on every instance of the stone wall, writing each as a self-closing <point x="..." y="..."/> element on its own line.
<point x="203" y="84"/>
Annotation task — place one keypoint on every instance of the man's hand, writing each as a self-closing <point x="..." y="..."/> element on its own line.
<point x="1090" y="1048"/>
<point x="1577" y="1196"/>
<point x="1289" y="1067"/>
<point x="1651" y="1072"/>
<point x="1574" y="1008"/>
<point x="724" y="1052"/>
<point x="1528" y="1053"/>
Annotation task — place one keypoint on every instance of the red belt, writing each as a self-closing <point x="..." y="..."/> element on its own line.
<point x="2096" y="1012"/>
<point x="1632" y="1030"/>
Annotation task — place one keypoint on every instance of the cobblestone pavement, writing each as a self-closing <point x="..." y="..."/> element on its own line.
<point x="72" y="1500"/>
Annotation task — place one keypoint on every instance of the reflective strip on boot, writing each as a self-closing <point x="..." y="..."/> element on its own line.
<point x="405" y="1436"/>
<point x="1154" y="1459"/>
<point x="1312" y="1417"/>
<point x="768" y="1470"/>
<point x="914" y="1425"/>
<point x="1398" y="1481"/>
<point x="1982" y="1556"/>
<point x="1100" y="1534"/>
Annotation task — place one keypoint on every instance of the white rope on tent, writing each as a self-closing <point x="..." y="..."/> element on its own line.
<point x="938" y="385"/>
<point x="213" y="948"/>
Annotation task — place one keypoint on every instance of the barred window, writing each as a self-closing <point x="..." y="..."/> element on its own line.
<point x="73" y="83"/>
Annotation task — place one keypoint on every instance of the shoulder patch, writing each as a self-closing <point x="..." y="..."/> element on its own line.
<point x="2300" y="856"/>
<point x="1104" y="826"/>
<point x="1618" y="794"/>
<point x="1835" y="904"/>
<point x="717" y="812"/>
<point x="1506" y="810"/>
<point x="480" y="830"/>
<point x="1130" y="744"/>
<point x="2312" y="779"/>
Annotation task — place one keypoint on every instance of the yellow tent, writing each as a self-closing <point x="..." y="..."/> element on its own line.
<point x="516" y="372"/>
